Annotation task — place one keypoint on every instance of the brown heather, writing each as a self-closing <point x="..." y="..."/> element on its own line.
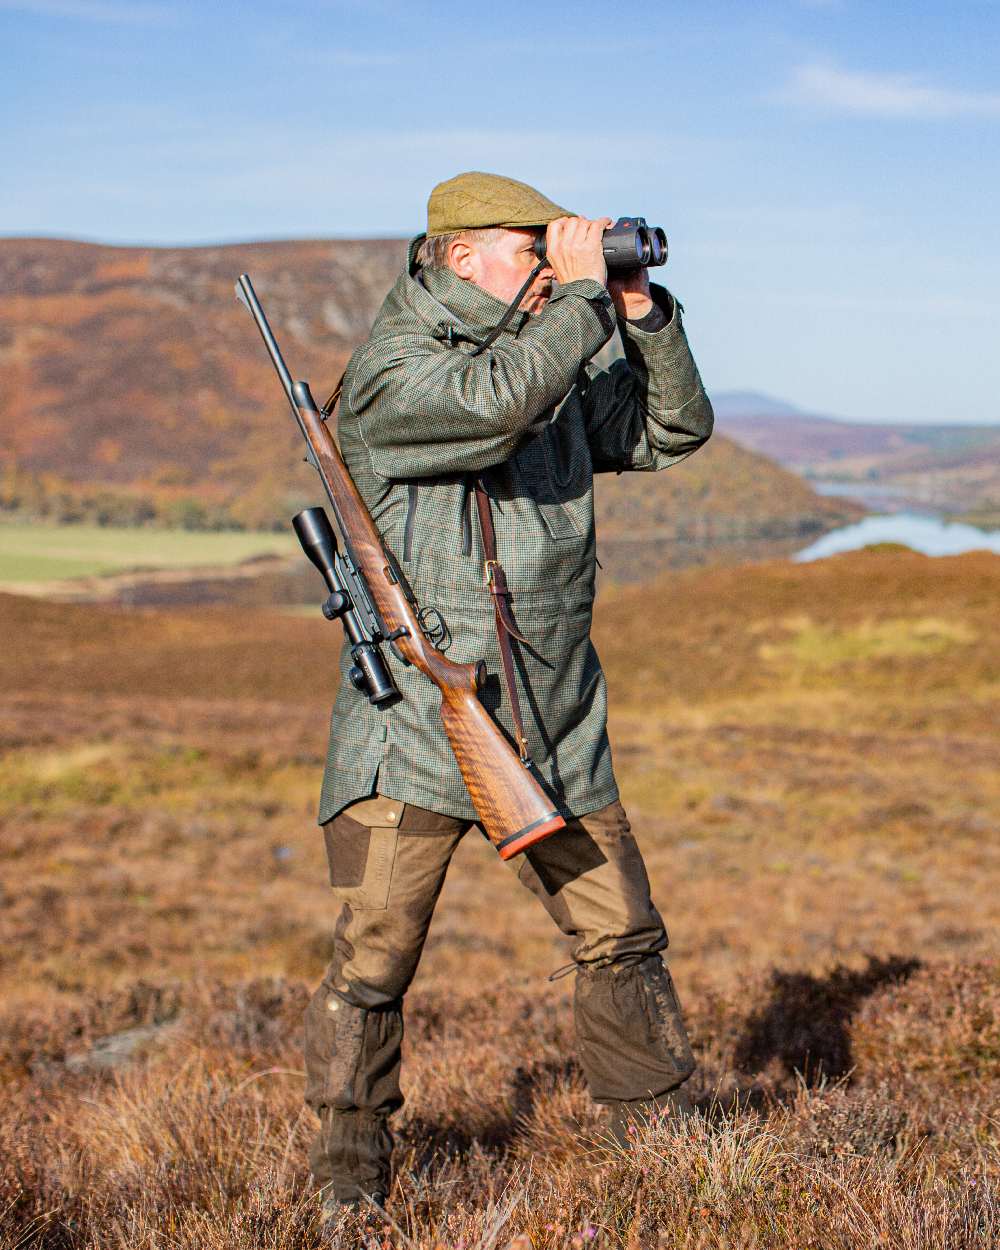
<point x="810" y="758"/>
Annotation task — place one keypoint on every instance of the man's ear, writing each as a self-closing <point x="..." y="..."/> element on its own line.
<point x="460" y="259"/>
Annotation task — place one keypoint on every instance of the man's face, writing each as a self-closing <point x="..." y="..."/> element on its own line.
<point x="501" y="265"/>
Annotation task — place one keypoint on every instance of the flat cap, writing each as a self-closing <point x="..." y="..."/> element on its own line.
<point x="475" y="201"/>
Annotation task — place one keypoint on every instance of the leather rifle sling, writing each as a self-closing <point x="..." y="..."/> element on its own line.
<point x="496" y="581"/>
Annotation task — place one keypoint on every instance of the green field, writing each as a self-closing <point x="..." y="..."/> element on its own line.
<point x="42" y="553"/>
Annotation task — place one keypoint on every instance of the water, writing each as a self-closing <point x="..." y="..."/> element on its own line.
<point x="926" y="534"/>
<point x="879" y="496"/>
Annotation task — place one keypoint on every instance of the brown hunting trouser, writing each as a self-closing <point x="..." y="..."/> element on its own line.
<point x="387" y="865"/>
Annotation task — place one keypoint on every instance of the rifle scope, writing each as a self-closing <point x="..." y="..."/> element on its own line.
<point x="368" y="673"/>
<point x="628" y="244"/>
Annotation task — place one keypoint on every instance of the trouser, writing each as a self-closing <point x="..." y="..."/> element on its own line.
<point x="387" y="865"/>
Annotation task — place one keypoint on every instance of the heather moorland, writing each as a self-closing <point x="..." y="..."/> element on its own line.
<point x="810" y="760"/>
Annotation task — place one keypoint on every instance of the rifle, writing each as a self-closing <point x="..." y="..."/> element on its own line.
<point x="370" y="594"/>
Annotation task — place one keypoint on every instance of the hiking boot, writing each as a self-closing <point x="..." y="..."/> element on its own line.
<point x="349" y="1216"/>
<point x="625" y="1120"/>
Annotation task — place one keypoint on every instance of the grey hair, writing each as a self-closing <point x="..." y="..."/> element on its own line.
<point x="433" y="252"/>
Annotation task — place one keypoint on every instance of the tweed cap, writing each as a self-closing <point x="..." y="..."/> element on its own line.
<point x="475" y="201"/>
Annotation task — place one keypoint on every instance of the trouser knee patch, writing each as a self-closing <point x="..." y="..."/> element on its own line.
<point x="631" y="1034"/>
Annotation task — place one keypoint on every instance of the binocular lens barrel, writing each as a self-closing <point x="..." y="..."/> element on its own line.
<point x="628" y="244"/>
<point x="658" y="246"/>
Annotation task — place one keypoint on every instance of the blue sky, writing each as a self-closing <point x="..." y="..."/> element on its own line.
<point x="828" y="171"/>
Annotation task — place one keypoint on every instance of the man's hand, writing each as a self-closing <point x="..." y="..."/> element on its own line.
<point x="573" y="247"/>
<point x="630" y="293"/>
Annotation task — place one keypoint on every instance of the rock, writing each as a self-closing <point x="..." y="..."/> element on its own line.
<point x="118" y="1050"/>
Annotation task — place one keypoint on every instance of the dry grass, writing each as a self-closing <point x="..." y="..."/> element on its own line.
<point x="811" y="761"/>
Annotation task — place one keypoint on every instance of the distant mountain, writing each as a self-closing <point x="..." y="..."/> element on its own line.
<point x="132" y="375"/>
<point x="951" y="468"/>
<point x="750" y="404"/>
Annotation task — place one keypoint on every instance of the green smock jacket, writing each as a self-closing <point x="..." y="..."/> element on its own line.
<point x="420" y="417"/>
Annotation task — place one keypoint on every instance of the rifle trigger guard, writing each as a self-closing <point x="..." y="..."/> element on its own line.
<point x="434" y="626"/>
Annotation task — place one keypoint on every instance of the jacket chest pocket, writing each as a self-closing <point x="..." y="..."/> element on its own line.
<point x="554" y="470"/>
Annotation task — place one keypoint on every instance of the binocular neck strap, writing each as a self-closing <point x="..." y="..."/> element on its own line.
<point x="512" y="308"/>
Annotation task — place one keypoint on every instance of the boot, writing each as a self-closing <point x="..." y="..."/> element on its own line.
<point x="347" y="1217"/>
<point x="626" y="1119"/>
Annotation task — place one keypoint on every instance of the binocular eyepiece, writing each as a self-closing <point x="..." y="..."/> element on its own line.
<point x="628" y="244"/>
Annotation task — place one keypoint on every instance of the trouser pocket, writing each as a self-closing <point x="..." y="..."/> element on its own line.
<point x="631" y="1035"/>
<point x="361" y="849"/>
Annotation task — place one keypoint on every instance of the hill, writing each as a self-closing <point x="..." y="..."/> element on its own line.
<point x="136" y="370"/>
<point x="952" y="468"/>
<point x="750" y="404"/>
<point x="133" y="387"/>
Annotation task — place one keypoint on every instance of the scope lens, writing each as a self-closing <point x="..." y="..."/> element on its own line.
<point x="655" y="248"/>
<point x="642" y="248"/>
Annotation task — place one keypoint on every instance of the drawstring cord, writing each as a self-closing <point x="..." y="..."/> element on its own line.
<point x="628" y="960"/>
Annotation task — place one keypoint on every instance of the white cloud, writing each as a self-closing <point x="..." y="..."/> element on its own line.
<point x="123" y="12"/>
<point x="883" y="95"/>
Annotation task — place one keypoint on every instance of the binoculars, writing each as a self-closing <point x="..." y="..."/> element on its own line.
<point x="628" y="244"/>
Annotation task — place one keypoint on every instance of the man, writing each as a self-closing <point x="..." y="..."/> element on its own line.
<point x="435" y="402"/>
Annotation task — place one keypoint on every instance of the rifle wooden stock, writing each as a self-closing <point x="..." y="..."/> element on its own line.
<point x="512" y="807"/>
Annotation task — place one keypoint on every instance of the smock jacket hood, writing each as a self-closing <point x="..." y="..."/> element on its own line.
<point x="422" y="415"/>
<point x="418" y="299"/>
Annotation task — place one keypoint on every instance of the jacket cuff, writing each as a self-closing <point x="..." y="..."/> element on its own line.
<point x="662" y="315"/>
<point x="589" y="288"/>
<point x="598" y="300"/>
<point x="664" y="355"/>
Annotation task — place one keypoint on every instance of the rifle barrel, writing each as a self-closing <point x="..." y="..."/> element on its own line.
<point x="513" y="807"/>
<point x="248" y="297"/>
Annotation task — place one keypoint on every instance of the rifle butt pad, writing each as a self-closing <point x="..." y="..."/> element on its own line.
<point x="518" y="842"/>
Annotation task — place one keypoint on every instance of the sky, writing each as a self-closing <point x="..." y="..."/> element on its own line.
<point x="827" y="171"/>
